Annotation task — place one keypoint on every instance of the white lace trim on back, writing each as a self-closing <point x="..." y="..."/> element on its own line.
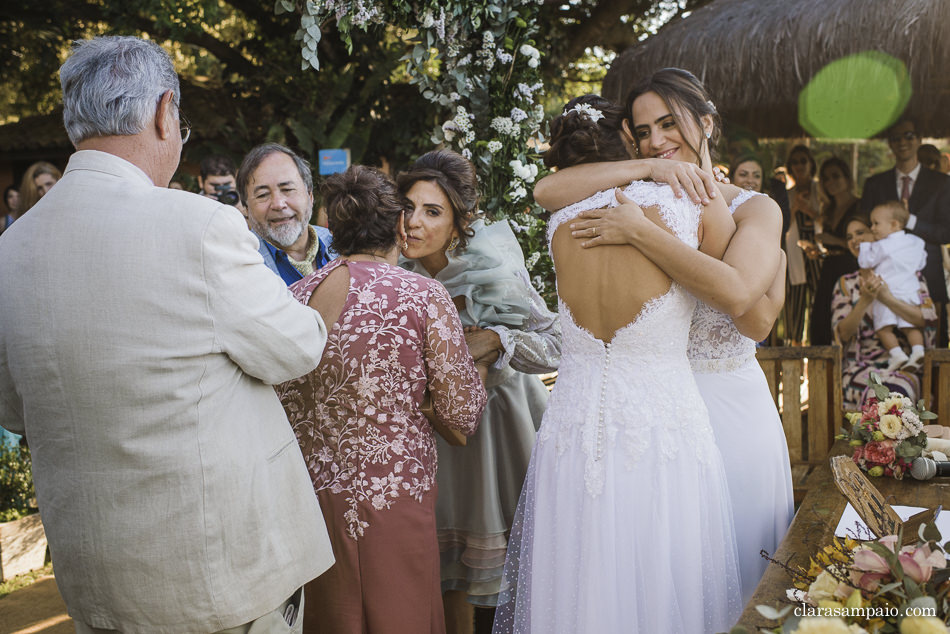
<point x="680" y="215"/>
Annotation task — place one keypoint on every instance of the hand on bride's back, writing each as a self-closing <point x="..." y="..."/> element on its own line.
<point x="614" y="225"/>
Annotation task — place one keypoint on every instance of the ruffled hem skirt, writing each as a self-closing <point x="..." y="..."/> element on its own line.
<point x="479" y="485"/>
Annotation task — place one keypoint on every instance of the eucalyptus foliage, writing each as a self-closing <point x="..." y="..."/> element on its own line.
<point x="478" y="62"/>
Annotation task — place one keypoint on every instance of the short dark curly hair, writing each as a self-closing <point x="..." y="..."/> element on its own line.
<point x="363" y="210"/>
<point x="455" y="176"/>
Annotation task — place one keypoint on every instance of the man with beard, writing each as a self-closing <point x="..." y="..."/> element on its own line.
<point x="276" y="188"/>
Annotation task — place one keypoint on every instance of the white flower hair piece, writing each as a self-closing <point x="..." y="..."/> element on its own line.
<point x="711" y="105"/>
<point x="587" y="110"/>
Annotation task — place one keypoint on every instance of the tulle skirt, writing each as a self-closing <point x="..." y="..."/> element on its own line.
<point x="653" y="553"/>
<point x="752" y="442"/>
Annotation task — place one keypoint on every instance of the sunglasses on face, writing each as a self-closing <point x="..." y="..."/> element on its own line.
<point x="906" y="136"/>
<point x="798" y="161"/>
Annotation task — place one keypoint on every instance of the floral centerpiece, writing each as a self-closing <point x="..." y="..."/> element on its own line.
<point x="872" y="587"/>
<point x="887" y="434"/>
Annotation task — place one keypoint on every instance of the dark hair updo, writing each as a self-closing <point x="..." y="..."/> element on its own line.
<point x="577" y="138"/>
<point x="685" y="96"/>
<point x="455" y="176"/>
<point x="363" y="207"/>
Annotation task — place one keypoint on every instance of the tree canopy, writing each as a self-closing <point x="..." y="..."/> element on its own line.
<point x="240" y="67"/>
<point x="384" y="84"/>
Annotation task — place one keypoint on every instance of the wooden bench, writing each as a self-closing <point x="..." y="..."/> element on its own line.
<point x="810" y="423"/>
<point x="935" y="389"/>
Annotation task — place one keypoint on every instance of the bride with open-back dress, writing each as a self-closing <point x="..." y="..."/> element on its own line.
<point x="624" y="522"/>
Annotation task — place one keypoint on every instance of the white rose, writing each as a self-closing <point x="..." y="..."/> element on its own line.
<point x="822" y="588"/>
<point x="890" y="425"/>
<point x="530" y="51"/>
<point x="519" y="193"/>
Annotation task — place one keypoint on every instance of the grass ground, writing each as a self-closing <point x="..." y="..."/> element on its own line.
<point x="24" y="580"/>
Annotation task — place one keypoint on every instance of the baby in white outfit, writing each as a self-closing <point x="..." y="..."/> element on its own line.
<point x="896" y="257"/>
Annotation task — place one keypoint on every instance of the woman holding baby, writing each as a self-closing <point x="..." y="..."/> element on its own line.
<point x="853" y="323"/>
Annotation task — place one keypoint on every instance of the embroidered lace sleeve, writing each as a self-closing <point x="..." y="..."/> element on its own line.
<point x="458" y="395"/>
<point x="536" y="348"/>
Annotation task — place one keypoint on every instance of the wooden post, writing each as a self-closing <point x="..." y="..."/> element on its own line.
<point x="792" y="407"/>
<point x="819" y="421"/>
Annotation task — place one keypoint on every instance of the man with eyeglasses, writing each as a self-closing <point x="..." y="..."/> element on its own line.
<point x="917" y="187"/>
<point x="138" y="349"/>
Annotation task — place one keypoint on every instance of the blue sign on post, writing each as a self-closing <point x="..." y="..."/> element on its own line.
<point x="333" y="161"/>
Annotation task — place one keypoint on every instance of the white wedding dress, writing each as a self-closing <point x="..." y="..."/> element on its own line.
<point x="624" y="522"/>
<point x="748" y="431"/>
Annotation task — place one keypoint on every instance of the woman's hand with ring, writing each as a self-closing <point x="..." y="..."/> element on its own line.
<point x="608" y="226"/>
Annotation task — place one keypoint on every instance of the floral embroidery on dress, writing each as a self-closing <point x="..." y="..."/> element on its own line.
<point x="357" y="415"/>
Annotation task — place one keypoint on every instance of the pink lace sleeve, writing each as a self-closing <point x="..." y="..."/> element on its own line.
<point x="458" y="396"/>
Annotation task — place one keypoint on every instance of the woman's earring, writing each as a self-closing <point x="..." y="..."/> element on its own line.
<point x="454" y="243"/>
<point x="708" y="135"/>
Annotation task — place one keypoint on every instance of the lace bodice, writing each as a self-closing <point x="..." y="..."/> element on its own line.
<point x="636" y="393"/>
<point x="680" y="215"/>
<point x="715" y="345"/>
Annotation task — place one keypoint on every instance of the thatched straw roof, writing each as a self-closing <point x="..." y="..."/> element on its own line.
<point x="755" y="56"/>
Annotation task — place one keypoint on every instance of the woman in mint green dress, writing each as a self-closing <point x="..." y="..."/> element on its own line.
<point x="509" y="329"/>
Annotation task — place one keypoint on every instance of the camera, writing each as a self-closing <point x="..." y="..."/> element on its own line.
<point x="226" y="194"/>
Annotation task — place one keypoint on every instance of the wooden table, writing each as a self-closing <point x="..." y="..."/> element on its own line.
<point x="815" y="522"/>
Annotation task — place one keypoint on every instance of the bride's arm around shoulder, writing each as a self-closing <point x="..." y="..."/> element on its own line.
<point x="569" y="185"/>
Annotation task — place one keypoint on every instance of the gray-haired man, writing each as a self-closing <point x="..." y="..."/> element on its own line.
<point x="135" y="355"/>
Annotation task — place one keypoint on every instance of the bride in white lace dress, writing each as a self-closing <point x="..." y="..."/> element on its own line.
<point x="664" y="114"/>
<point x="624" y="523"/>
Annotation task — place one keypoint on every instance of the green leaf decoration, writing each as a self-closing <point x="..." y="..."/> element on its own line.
<point x="880" y="391"/>
<point x="922" y="604"/>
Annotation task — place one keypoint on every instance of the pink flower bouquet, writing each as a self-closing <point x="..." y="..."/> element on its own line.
<point x="887" y="434"/>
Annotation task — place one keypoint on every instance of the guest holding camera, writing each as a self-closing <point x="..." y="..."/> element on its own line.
<point x="216" y="180"/>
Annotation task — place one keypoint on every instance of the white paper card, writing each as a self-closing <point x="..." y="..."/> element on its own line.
<point x="846" y="526"/>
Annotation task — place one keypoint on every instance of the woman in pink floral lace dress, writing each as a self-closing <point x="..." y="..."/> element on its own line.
<point x="395" y="344"/>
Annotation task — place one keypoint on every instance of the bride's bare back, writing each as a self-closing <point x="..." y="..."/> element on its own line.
<point x="605" y="288"/>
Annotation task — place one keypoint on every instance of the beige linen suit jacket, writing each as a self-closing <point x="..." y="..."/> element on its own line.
<point x="140" y="333"/>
